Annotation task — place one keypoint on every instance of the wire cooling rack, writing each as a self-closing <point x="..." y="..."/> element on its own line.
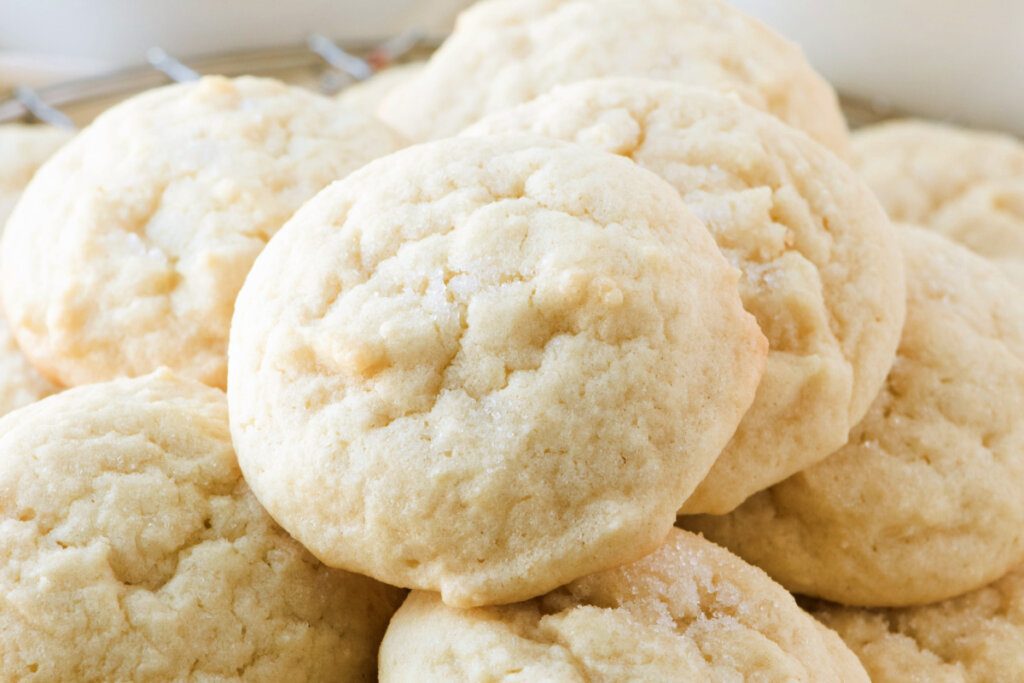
<point x="320" y="64"/>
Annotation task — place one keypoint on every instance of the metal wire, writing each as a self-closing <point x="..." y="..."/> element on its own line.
<point x="175" y="70"/>
<point x="35" y="105"/>
<point x="67" y="103"/>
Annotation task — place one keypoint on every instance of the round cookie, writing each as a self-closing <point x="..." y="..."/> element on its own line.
<point x="23" y="149"/>
<point x="975" y="638"/>
<point x="690" y="611"/>
<point x="821" y="270"/>
<point x="488" y="366"/>
<point x="366" y="96"/>
<point x="966" y="185"/>
<point x="129" y="246"/>
<point x="132" y="549"/>
<point x="505" y="52"/>
<point x="925" y="501"/>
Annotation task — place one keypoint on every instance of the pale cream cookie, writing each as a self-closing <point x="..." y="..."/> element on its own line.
<point x="925" y="501"/>
<point x="976" y="638"/>
<point x="23" y="149"/>
<point x="690" y="611"/>
<point x="131" y="549"/>
<point x="129" y="246"/>
<point x="488" y="366"/>
<point x="966" y="185"/>
<point x="20" y="383"/>
<point x="505" y="52"/>
<point x="367" y="95"/>
<point x="820" y="267"/>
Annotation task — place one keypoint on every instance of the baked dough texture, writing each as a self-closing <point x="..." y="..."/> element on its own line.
<point x="505" y="52"/>
<point x="488" y="366"/>
<point x="924" y="503"/>
<point x="821" y="270"/>
<point x="367" y="95"/>
<point x="691" y="611"/>
<point x="23" y="149"/>
<point x="966" y="185"/>
<point x="130" y="245"/>
<point x="131" y="549"/>
<point x="976" y="638"/>
<point x="20" y="383"/>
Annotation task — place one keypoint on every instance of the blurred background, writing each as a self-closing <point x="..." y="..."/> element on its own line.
<point x="948" y="59"/>
<point x="46" y="40"/>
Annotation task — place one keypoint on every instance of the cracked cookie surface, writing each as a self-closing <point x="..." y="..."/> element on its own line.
<point x="689" y="611"/>
<point x="131" y="549"/>
<point x="821" y="270"/>
<point x="129" y="246"/>
<point x="487" y="366"/>
<point x="964" y="184"/>
<point x="506" y="52"/>
<point x="975" y="638"/>
<point x="924" y="502"/>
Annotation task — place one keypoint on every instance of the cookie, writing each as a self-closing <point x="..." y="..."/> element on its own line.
<point x="23" y="149"/>
<point x="132" y="549"/>
<point x="129" y="246"/>
<point x="367" y="95"/>
<point x="821" y="270"/>
<point x="488" y="366"/>
<point x="966" y="185"/>
<point x="975" y="638"/>
<point x="20" y="383"/>
<point x="506" y="52"/>
<point x="925" y="501"/>
<point x="691" y="611"/>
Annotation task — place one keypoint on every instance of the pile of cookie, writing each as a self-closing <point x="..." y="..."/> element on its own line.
<point x="598" y="331"/>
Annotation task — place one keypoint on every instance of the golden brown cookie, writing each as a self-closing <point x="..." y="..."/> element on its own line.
<point x="132" y="549"/>
<point x="821" y="270"/>
<point x="690" y="611"/>
<point x="505" y="52"/>
<point x="925" y="501"/>
<point x="488" y="366"/>
<point x="129" y="246"/>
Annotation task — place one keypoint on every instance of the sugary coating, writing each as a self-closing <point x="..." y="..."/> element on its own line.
<point x="976" y="638"/>
<point x="925" y="501"/>
<point x="23" y="149"/>
<point x="691" y="611"/>
<point x="367" y="95"/>
<point x="488" y="366"/>
<point x="821" y="270"/>
<point x="129" y="246"/>
<point x="505" y="52"/>
<point x="966" y="185"/>
<point x="131" y="549"/>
